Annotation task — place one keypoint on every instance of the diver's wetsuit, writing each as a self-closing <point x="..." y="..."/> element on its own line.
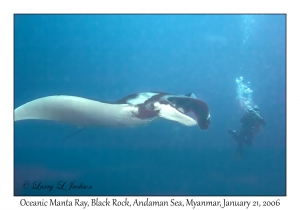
<point x="251" y="122"/>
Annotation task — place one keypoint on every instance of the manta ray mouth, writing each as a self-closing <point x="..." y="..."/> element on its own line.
<point x="191" y="108"/>
<point x="176" y="106"/>
<point x="189" y="114"/>
<point x="181" y="110"/>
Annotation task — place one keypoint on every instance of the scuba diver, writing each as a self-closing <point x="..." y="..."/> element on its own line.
<point x="251" y="121"/>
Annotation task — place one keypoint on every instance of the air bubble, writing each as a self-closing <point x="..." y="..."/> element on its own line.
<point x="244" y="94"/>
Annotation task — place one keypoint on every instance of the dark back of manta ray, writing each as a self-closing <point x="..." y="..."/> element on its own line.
<point x="199" y="108"/>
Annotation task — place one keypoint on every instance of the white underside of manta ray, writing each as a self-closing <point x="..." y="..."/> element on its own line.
<point x="133" y="110"/>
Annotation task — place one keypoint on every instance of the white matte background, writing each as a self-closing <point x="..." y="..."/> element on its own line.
<point x="9" y="8"/>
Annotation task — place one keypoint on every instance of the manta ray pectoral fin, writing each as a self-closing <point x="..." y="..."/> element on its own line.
<point x="198" y="107"/>
<point x="168" y="112"/>
<point x="75" y="110"/>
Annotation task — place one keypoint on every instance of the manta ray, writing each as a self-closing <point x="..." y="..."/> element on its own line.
<point x="132" y="110"/>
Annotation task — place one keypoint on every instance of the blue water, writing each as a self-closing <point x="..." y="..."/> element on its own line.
<point x="106" y="57"/>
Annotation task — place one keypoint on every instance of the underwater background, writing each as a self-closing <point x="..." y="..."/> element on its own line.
<point x="107" y="57"/>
